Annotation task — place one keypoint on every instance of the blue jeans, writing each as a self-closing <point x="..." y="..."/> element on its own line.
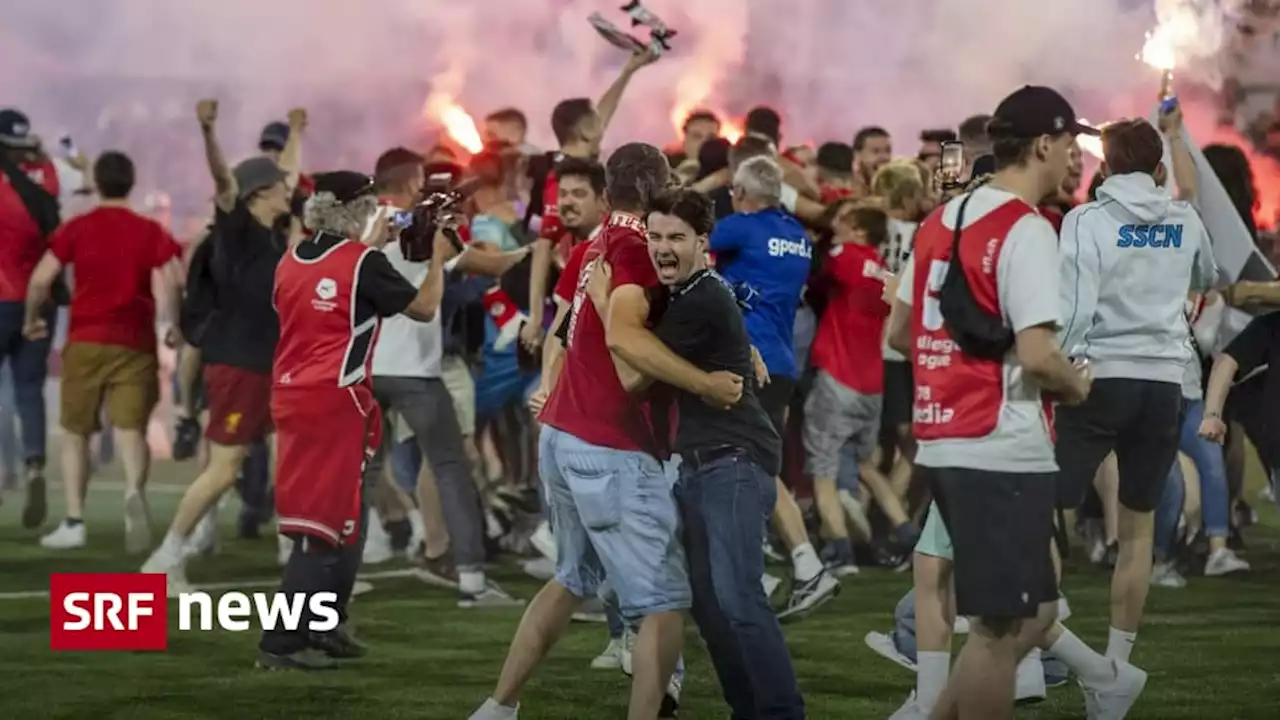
<point x="29" y="362"/>
<point x="613" y="515"/>
<point x="8" y="424"/>
<point x="721" y="505"/>
<point x="1168" y="512"/>
<point x="1211" y="466"/>
<point x="406" y="463"/>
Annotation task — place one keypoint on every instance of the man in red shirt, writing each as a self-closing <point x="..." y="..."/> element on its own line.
<point x="331" y="292"/>
<point x="111" y="344"/>
<point x="29" y="189"/>
<point x="608" y="490"/>
<point x="845" y="401"/>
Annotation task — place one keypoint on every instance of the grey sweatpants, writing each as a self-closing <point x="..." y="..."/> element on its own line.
<point x="424" y="404"/>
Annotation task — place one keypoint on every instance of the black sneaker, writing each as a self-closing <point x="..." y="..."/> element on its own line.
<point x="338" y="644"/>
<point x="36" y="507"/>
<point x="308" y="659"/>
<point x="186" y="439"/>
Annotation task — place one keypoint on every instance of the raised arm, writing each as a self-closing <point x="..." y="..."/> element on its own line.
<point x="291" y="156"/>
<point x="224" y="181"/>
<point x="607" y="105"/>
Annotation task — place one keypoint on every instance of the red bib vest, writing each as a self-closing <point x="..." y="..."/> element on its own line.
<point x="956" y="395"/>
<point x="320" y="343"/>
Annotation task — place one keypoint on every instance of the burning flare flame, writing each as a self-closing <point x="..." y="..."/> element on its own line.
<point x="458" y="124"/>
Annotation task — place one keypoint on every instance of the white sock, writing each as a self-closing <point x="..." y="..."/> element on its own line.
<point x="493" y="710"/>
<point x="471" y="581"/>
<point x="1120" y="644"/>
<point x="1083" y="660"/>
<point x="805" y="562"/>
<point x="932" y="668"/>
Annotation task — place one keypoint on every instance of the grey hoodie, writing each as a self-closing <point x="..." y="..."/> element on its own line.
<point x="1128" y="261"/>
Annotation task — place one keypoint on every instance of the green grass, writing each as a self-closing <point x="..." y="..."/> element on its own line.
<point x="1212" y="649"/>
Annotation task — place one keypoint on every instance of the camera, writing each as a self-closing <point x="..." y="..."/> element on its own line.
<point x="437" y="210"/>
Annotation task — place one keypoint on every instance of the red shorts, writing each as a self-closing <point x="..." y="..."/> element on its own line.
<point x="239" y="404"/>
<point x="324" y="437"/>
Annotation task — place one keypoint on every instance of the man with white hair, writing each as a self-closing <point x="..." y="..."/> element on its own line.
<point x="763" y="246"/>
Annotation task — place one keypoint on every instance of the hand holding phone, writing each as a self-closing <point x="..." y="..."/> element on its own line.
<point x="951" y="165"/>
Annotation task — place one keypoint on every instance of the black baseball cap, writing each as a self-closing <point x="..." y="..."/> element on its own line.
<point x="274" y="136"/>
<point x="344" y="185"/>
<point x="15" y="129"/>
<point x="1035" y="110"/>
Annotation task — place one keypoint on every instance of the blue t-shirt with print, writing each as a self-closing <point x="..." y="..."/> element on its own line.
<point x="769" y="251"/>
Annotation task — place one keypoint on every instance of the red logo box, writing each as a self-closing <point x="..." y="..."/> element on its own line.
<point x="108" y="611"/>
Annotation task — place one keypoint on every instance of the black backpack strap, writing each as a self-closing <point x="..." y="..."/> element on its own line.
<point x="959" y="228"/>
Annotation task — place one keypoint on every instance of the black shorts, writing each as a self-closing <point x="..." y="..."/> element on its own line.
<point x="1140" y="420"/>
<point x="899" y="392"/>
<point x="1001" y="527"/>
<point x="775" y="398"/>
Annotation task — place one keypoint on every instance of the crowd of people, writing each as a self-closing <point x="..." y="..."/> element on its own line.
<point x="656" y="373"/>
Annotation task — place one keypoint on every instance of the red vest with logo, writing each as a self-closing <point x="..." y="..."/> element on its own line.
<point x="956" y="395"/>
<point x="321" y="345"/>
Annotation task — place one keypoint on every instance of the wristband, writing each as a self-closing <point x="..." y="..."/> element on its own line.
<point x="789" y="197"/>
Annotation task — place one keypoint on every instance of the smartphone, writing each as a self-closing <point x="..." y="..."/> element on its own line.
<point x="400" y="219"/>
<point x="1168" y="104"/>
<point x="952" y="163"/>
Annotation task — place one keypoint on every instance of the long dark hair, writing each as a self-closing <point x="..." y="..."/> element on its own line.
<point x="1231" y="166"/>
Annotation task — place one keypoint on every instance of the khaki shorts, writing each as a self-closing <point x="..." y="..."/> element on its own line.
<point x="127" y="379"/>
<point x="462" y="388"/>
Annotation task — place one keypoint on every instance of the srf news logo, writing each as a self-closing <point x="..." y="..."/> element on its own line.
<point x="130" y="611"/>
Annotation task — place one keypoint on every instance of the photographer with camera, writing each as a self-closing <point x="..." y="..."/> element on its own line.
<point x="407" y="369"/>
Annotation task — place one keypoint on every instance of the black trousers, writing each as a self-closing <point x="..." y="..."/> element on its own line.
<point x="317" y="566"/>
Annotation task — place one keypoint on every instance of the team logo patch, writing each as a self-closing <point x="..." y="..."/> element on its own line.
<point x="232" y="422"/>
<point x="498" y="309"/>
<point x="326" y="289"/>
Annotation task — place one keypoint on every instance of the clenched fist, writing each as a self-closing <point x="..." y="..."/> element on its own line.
<point x="207" y="112"/>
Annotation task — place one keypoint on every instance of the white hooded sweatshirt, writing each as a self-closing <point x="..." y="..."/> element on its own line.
<point x="1128" y="261"/>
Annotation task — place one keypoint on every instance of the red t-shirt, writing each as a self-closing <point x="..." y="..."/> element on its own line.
<point x="21" y="244"/>
<point x="567" y="285"/>
<point x="112" y="252"/>
<point x="589" y="401"/>
<point x="847" y="345"/>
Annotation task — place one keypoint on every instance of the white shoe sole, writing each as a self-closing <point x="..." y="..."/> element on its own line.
<point x="828" y="589"/>
<point x="882" y="645"/>
<point x="544" y="542"/>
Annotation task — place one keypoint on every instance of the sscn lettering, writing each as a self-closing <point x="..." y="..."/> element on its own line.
<point x="1152" y="236"/>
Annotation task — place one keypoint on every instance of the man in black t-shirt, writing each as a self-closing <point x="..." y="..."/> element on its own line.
<point x="240" y="336"/>
<point x="729" y="457"/>
<point x="1254" y="352"/>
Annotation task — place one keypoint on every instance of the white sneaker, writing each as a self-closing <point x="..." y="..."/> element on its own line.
<point x="960" y="626"/>
<point x="770" y="584"/>
<point x="361" y="587"/>
<point x="172" y="568"/>
<point x="491" y="710"/>
<point x="137" y="524"/>
<point x="1029" y="685"/>
<point x="543" y="541"/>
<point x="540" y="568"/>
<point x="204" y="538"/>
<point x="611" y="658"/>
<point x="857" y="514"/>
<point x="64" y="537"/>
<point x="844" y="569"/>
<point x="628" y="644"/>
<point x="377" y="544"/>
<point x="809" y="595"/>
<point x="1165" y="575"/>
<point x="910" y="710"/>
<point x="1113" y="700"/>
<point x="771" y="555"/>
<point x="882" y="644"/>
<point x="1224" y="561"/>
<point x="284" y="548"/>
